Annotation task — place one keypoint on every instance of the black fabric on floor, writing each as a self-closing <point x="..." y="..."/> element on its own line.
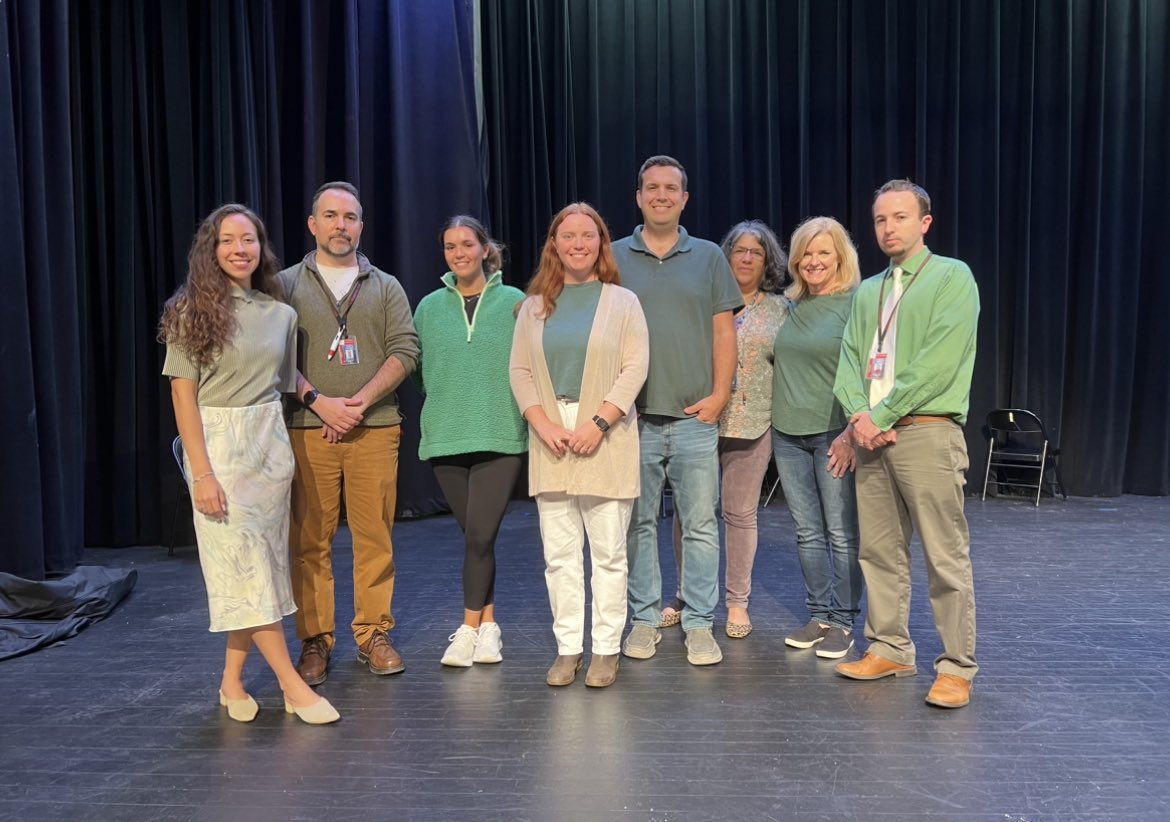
<point x="36" y="614"/>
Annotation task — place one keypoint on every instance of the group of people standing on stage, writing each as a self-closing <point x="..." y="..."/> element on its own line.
<point x="657" y="359"/>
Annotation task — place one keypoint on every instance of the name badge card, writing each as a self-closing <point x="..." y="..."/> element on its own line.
<point x="877" y="366"/>
<point x="349" y="351"/>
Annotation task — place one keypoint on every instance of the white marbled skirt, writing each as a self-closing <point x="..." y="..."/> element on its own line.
<point x="245" y="558"/>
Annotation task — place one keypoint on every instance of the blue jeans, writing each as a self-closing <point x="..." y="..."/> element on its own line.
<point x="684" y="451"/>
<point x="824" y="510"/>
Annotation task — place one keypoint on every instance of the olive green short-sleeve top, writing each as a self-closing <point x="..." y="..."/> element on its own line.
<point x="256" y="366"/>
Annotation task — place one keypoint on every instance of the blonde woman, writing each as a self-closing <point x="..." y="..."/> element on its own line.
<point x="813" y="450"/>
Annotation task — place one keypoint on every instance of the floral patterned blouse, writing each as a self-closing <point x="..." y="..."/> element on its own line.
<point x="748" y="414"/>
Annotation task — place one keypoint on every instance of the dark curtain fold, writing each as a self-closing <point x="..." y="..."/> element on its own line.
<point x="39" y="343"/>
<point x="1039" y="129"/>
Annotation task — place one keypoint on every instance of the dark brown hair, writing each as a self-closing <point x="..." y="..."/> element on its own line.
<point x="495" y="256"/>
<point x="198" y="318"/>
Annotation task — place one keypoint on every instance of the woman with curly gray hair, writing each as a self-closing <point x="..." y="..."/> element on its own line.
<point x="745" y="444"/>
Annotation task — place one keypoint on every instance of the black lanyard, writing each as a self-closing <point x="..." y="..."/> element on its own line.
<point x="342" y="317"/>
<point x="883" y="330"/>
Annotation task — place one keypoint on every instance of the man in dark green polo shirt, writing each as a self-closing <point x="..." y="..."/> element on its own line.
<point x="688" y="294"/>
<point x="905" y="379"/>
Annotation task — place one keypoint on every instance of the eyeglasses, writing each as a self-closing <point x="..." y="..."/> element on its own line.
<point x="743" y="251"/>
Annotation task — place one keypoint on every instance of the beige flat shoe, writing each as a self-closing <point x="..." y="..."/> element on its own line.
<point x="319" y="713"/>
<point x="241" y="710"/>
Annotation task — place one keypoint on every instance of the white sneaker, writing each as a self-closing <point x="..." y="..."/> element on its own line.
<point x="461" y="651"/>
<point x="490" y="643"/>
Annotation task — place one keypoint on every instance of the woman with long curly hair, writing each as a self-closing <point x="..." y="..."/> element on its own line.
<point x="579" y="359"/>
<point x="231" y="351"/>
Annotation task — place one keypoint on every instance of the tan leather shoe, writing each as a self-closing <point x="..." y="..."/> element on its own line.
<point x="313" y="665"/>
<point x="380" y="656"/>
<point x="602" y="671"/>
<point x="872" y="666"/>
<point x="564" y="670"/>
<point x="949" y="691"/>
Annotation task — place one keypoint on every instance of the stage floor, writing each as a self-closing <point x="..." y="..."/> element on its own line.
<point x="1069" y="720"/>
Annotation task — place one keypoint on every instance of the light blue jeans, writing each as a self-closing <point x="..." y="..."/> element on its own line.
<point x="684" y="451"/>
<point x="824" y="510"/>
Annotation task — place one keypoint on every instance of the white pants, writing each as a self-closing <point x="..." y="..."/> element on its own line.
<point x="564" y="523"/>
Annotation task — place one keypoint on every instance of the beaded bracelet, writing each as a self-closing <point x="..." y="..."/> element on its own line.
<point x="203" y="476"/>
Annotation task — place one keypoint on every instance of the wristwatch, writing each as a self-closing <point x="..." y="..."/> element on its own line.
<point x="601" y="423"/>
<point x="310" y="397"/>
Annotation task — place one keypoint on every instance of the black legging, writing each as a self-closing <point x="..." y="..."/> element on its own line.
<point x="477" y="487"/>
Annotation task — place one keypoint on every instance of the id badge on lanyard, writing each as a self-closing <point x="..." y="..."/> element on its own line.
<point x="343" y="342"/>
<point x="346" y="345"/>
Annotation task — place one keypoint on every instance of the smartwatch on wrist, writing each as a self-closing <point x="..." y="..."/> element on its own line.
<point x="601" y="423"/>
<point x="310" y="398"/>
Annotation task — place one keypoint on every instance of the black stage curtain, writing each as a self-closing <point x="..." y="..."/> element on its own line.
<point x="123" y="122"/>
<point x="1039" y="129"/>
<point x="39" y="314"/>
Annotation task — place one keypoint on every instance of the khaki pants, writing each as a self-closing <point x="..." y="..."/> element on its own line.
<point x="365" y="464"/>
<point x="917" y="485"/>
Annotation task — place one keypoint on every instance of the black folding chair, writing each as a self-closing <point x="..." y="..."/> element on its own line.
<point x="1017" y="444"/>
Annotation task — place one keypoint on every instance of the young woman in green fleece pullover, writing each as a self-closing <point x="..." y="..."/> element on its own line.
<point x="472" y="432"/>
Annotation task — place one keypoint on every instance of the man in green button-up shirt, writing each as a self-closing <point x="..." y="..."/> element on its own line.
<point x="904" y="378"/>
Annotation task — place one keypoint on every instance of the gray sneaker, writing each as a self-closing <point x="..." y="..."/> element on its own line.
<point x="835" y="644"/>
<point x="807" y="636"/>
<point x="642" y="641"/>
<point x="701" y="647"/>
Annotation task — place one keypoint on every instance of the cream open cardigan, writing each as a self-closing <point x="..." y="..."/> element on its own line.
<point x="615" y="368"/>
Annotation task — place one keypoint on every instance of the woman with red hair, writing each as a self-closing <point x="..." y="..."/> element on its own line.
<point x="579" y="358"/>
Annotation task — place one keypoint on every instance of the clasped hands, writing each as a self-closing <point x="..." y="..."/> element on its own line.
<point x="339" y="415"/>
<point x="869" y="436"/>
<point x="583" y="442"/>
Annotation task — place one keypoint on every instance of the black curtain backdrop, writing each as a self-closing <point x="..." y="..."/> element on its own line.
<point x="39" y="342"/>
<point x="122" y="123"/>
<point x="1039" y="129"/>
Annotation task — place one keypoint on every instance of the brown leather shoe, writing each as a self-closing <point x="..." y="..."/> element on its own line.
<point x="313" y="665"/>
<point x="949" y="691"/>
<point x="564" y="670"/>
<point x="603" y="670"/>
<point x="872" y="666"/>
<point x="380" y="656"/>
